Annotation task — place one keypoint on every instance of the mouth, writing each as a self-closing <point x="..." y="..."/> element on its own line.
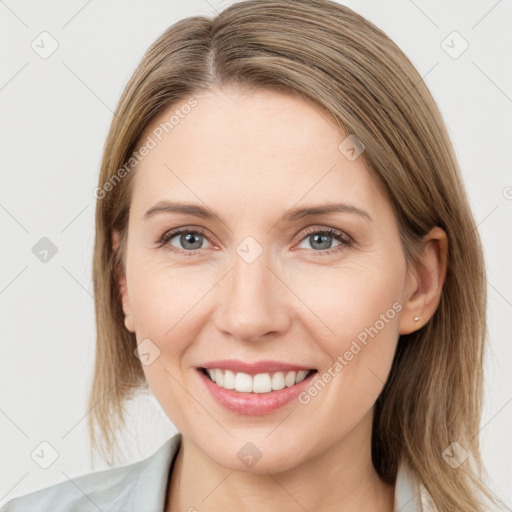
<point x="259" y="383"/>
<point x="255" y="394"/>
<point x="254" y="388"/>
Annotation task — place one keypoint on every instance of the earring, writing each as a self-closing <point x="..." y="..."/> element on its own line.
<point x="416" y="318"/>
<point x="126" y="318"/>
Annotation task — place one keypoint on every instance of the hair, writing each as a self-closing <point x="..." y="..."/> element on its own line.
<point x="330" y="56"/>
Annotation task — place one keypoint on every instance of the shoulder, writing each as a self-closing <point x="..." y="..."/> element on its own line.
<point x="138" y="486"/>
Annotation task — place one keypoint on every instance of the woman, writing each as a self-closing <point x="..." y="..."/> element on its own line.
<point x="286" y="257"/>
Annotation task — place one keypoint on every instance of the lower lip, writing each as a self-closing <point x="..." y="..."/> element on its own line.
<point x="254" y="404"/>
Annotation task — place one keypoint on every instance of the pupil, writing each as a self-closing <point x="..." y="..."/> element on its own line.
<point x="326" y="240"/>
<point x="186" y="240"/>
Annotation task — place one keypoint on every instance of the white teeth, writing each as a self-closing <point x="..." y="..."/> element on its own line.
<point x="219" y="377"/>
<point x="259" y="383"/>
<point x="301" y="375"/>
<point x="278" y="381"/>
<point x="243" y="382"/>
<point x="289" y="380"/>
<point x="229" y="380"/>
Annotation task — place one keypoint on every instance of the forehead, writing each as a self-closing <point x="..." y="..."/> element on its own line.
<point x="264" y="149"/>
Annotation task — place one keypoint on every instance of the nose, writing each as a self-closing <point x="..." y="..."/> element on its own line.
<point x="252" y="301"/>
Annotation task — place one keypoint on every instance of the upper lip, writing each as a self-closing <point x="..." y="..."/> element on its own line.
<point x="236" y="365"/>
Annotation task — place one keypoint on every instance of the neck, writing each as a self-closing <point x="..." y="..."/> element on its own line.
<point x="341" y="478"/>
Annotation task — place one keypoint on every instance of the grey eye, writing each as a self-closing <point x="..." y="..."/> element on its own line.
<point x="189" y="240"/>
<point x="320" y="240"/>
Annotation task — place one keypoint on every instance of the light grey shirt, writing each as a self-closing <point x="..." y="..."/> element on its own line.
<point x="142" y="487"/>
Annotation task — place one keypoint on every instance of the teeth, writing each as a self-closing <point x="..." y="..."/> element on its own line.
<point x="243" y="382"/>
<point x="301" y="375"/>
<point x="219" y="377"/>
<point x="229" y="379"/>
<point x="262" y="383"/>
<point x="259" y="383"/>
<point x="289" y="380"/>
<point x="278" y="381"/>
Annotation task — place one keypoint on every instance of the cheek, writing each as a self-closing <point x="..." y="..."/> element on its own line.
<point x="165" y="300"/>
<point x="165" y="304"/>
<point x="344" y="302"/>
<point x="364" y="315"/>
<point x="359" y="308"/>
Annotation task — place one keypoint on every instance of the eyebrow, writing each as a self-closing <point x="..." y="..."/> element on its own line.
<point x="291" y="215"/>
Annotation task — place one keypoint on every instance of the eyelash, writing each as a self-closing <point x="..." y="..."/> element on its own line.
<point x="346" y="240"/>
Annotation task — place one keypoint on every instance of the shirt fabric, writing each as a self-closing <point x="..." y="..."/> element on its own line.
<point x="142" y="487"/>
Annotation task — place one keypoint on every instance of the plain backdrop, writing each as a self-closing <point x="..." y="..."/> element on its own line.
<point x="55" y="113"/>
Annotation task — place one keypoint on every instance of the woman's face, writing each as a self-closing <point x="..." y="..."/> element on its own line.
<point x="255" y="281"/>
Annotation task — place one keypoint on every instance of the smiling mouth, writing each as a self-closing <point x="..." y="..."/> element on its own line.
<point x="258" y="383"/>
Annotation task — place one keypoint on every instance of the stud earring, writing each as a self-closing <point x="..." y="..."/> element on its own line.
<point x="126" y="318"/>
<point x="416" y="318"/>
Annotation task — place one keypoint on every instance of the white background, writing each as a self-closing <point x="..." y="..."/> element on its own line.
<point x="54" y="120"/>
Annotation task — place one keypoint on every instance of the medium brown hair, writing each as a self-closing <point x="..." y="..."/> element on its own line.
<point x="326" y="54"/>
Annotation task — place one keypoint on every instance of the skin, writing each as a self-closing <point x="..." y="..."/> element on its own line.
<point x="251" y="157"/>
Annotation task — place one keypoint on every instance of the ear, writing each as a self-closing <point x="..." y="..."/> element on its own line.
<point x="425" y="282"/>
<point x="123" y="291"/>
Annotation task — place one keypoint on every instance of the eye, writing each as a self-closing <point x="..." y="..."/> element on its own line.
<point x="188" y="241"/>
<point x="321" y="241"/>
